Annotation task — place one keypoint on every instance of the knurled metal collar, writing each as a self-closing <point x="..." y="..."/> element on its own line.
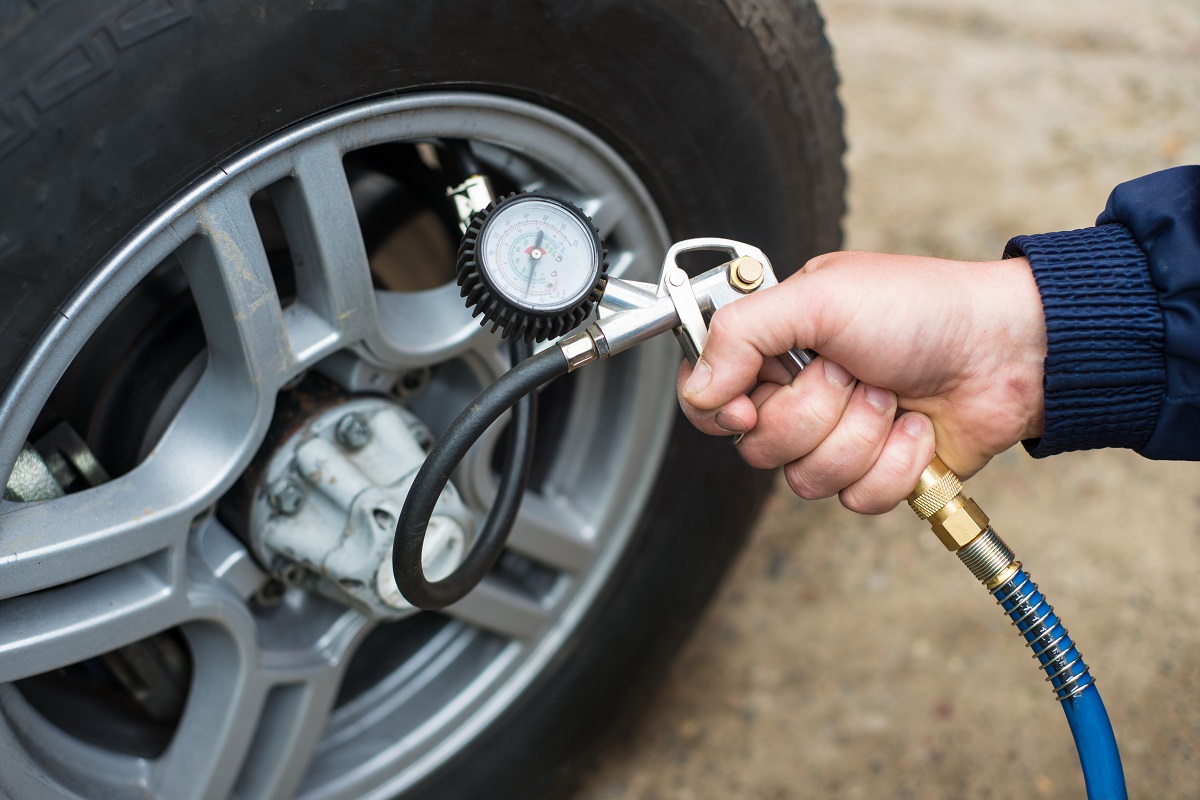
<point x="933" y="493"/>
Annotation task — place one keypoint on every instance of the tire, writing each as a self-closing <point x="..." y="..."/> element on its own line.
<point x="725" y="118"/>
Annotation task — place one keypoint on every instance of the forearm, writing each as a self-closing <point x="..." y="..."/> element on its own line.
<point x="1122" y="307"/>
<point x="1103" y="376"/>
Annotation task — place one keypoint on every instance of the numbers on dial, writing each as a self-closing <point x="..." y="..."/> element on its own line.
<point x="539" y="255"/>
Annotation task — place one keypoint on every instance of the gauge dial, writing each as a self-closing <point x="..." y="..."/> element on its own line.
<point x="533" y="265"/>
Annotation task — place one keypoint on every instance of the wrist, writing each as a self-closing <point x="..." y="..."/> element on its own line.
<point x="1016" y="335"/>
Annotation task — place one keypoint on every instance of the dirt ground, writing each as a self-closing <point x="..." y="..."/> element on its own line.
<point x="853" y="657"/>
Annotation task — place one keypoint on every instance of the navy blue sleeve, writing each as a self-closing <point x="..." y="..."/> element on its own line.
<point x="1122" y="305"/>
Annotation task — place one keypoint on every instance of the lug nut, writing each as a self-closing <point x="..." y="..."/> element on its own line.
<point x="352" y="431"/>
<point x="286" y="495"/>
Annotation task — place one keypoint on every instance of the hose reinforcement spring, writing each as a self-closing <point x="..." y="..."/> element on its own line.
<point x="1044" y="634"/>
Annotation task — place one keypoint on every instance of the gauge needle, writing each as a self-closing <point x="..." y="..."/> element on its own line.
<point x="535" y="253"/>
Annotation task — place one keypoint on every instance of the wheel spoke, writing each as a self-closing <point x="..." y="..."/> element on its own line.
<point x="53" y="542"/>
<point x="423" y="327"/>
<point x="106" y="774"/>
<point x="56" y="627"/>
<point x="293" y="719"/>
<point x="231" y="280"/>
<point x="260" y="696"/>
<point x="333" y="281"/>
<point x="620" y="263"/>
<point x="217" y="728"/>
<point x="226" y="558"/>
<point x="501" y="610"/>
<point x="553" y="532"/>
<point x="606" y="212"/>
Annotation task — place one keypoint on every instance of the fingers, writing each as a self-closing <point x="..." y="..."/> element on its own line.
<point x="794" y="419"/>
<point x="834" y="435"/>
<point x="741" y="337"/>
<point x="735" y="417"/>
<point x="850" y="449"/>
<point x="738" y="415"/>
<point x="908" y="450"/>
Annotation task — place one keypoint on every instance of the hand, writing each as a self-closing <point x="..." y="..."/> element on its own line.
<point x="955" y="348"/>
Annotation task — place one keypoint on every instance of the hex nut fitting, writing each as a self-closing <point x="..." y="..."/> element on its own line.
<point x="286" y="495"/>
<point x="958" y="527"/>
<point x="352" y="431"/>
<point x="746" y="274"/>
<point x="938" y="498"/>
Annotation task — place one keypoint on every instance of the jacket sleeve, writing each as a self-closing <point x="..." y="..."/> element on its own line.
<point x="1122" y="305"/>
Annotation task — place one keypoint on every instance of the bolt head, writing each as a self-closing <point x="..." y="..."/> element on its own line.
<point x="745" y="274"/>
<point x="352" y="431"/>
<point x="286" y="495"/>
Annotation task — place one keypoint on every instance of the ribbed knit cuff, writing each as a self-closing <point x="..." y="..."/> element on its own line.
<point x="1105" y="375"/>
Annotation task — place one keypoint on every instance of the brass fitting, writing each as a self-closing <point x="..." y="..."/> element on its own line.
<point x="745" y="274"/>
<point x="938" y="498"/>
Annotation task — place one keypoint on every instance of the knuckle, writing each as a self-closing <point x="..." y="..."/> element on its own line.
<point x="760" y="461"/>
<point x="862" y="435"/>
<point x="799" y="482"/>
<point x="863" y="501"/>
<point x="817" y="402"/>
<point x="753" y="455"/>
<point x="815" y="263"/>
<point x="853" y="500"/>
<point x="820" y="262"/>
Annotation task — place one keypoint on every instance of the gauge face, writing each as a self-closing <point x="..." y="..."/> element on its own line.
<point x="539" y="255"/>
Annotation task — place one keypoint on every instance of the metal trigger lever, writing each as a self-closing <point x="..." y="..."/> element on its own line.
<point x="747" y="272"/>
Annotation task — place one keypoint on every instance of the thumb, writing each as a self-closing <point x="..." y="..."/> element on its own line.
<point x="740" y="336"/>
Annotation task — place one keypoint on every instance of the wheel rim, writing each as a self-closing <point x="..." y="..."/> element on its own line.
<point x="143" y="553"/>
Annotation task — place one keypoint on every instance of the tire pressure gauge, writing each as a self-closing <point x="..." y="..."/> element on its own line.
<point x="533" y="265"/>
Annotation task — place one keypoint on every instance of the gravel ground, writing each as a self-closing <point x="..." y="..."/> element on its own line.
<point x="852" y="656"/>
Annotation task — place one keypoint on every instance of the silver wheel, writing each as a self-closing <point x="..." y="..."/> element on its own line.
<point x="305" y="696"/>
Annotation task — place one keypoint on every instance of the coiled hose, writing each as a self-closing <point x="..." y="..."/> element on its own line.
<point x="1071" y="680"/>
<point x="515" y="389"/>
<point x="964" y="529"/>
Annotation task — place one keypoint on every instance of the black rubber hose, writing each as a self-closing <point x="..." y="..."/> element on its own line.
<point x="515" y="389"/>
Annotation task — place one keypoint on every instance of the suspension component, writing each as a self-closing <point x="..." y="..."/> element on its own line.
<point x="325" y="512"/>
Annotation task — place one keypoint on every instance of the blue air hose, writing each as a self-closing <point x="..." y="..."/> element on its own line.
<point x="1071" y="680"/>
<point x="964" y="529"/>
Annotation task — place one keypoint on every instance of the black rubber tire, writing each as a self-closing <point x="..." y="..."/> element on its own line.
<point x="727" y="111"/>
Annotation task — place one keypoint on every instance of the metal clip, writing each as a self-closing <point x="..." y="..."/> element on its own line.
<point x="473" y="194"/>
<point x="692" y="331"/>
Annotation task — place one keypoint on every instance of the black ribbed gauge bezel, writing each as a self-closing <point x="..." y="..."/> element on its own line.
<point x="512" y="319"/>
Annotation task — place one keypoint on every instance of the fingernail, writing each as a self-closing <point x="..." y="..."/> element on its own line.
<point x="880" y="398"/>
<point x="915" y="425"/>
<point x="700" y="378"/>
<point x="837" y="374"/>
<point x="728" y="422"/>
